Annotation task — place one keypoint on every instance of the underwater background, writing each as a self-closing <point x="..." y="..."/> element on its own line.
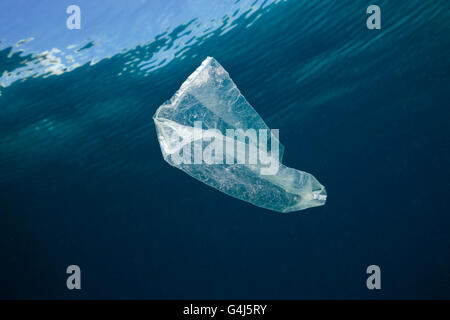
<point x="82" y="179"/>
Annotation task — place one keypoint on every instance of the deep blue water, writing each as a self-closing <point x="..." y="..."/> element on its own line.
<point x="82" y="179"/>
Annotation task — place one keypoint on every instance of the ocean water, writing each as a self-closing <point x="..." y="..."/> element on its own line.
<point x="82" y="179"/>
